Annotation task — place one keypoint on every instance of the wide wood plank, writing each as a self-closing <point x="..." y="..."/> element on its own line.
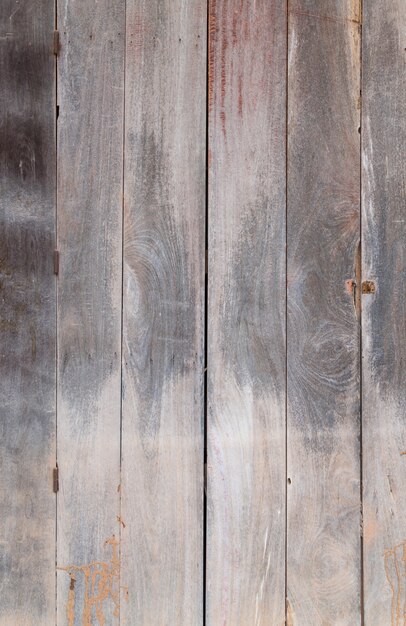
<point x="27" y="313"/>
<point x="323" y="421"/>
<point x="90" y="149"/>
<point x="246" y="319"/>
<point x="163" y="330"/>
<point x="384" y="311"/>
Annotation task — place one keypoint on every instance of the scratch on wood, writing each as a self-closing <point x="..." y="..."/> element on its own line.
<point x="395" y="568"/>
<point x="102" y="583"/>
<point x="120" y="521"/>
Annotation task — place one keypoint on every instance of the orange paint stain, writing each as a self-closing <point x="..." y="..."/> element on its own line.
<point x="395" y="569"/>
<point x="102" y="586"/>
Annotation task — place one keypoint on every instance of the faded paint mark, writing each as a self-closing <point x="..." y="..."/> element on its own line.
<point x="289" y="614"/>
<point x="327" y="18"/>
<point x="102" y="585"/>
<point x="395" y="568"/>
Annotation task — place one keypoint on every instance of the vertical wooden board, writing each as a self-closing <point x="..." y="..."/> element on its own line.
<point x="384" y="312"/>
<point x="323" y="420"/>
<point x="90" y="150"/>
<point x="246" y="313"/>
<point x="27" y="313"/>
<point x="163" y="325"/>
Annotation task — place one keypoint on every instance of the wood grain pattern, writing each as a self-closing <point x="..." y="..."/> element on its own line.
<point x="246" y="318"/>
<point x="323" y="427"/>
<point x="162" y="561"/>
<point x="90" y="169"/>
<point x="384" y="312"/>
<point x="27" y="313"/>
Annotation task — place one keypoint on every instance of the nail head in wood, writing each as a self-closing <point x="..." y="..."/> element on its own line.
<point x="57" y="43"/>
<point x="56" y="262"/>
<point x="55" y="480"/>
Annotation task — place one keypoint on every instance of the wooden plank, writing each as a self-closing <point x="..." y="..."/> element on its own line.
<point x="323" y="422"/>
<point x="90" y="149"/>
<point x="27" y="313"/>
<point x="164" y="312"/>
<point x="246" y="318"/>
<point x="383" y="312"/>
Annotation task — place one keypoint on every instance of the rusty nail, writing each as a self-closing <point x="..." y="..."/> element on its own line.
<point x="368" y="286"/>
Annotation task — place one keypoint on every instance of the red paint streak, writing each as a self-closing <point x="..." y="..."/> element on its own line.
<point x="223" y="75"/>
<point x="136" y="35"/>
<point x="212" y="37"/>
<point x="240" y="98"/>
<point x="234" y="29"/>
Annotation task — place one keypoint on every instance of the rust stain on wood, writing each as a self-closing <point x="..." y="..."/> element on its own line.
<point x="102" y="585"/>
<point x="350" y="285"/>
<point x="368" y="286"/>
<point x="395" y="568"/>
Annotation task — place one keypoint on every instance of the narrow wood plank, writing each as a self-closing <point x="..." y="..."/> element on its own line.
<point x="90" y="149"/>
<point x="246" y="319"/>
<point x="162" y="467"/>
<point x="27" y="313"/>
<point x="323" y="423"/>
<point x="383" y="312"/>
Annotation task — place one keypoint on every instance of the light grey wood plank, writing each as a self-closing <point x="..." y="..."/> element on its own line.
<point x="246" y="318"/>
<point x="162" y="562"/>
<point x="323" y="219"/>
<point x="384" y="312"/>
<point x="27" y="313"/>
<point x="90" y="169"/>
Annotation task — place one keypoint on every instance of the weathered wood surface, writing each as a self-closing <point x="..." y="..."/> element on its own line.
<point x="90" y="151"/>
<point x="384" y="312"/>
<point x="323" y="419"/>
<point x="246" y="316"/>
<point x="163" y="328"/>
<point x="27" y="313"/>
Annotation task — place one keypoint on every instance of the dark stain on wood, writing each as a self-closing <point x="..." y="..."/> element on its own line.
<point x="158" y="270"/>
<point x="22" y="150"/>
<point x="253" y="329"/>
<point x="21" y="65"/>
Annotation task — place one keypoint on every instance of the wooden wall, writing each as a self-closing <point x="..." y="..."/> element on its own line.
<point x="202" y="313"/>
